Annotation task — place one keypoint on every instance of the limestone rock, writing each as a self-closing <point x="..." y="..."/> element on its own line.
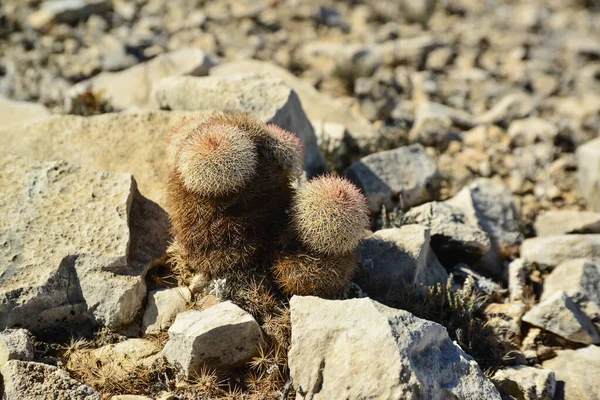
<point x="403" y="177"/>
<point x="576" y="373"/>
<point x="523" y="382"/>
<point x="553" y="250"/>
<point x="34" y="381"/>
<point x="221" y="336"/>
<point x="64" y="230"/>
<point x="491" y="207"/>
<point x="14" y="112"/>
<point x="66" y="11"/>
<point x="130" y="88"/>
<point x="333" y="354"/>
<point x="391" y="258"/>
<point x="266" y="98"/>
<point x="510" y="107"/>
<point x="559" y="222"/>
<point x="453" y="239"/>
<point x="15" y="344"/>
<point x="163" y="306"/>
<point x="561" y="316"/>
<point x="526" y="132"/>
<point x="588" y="170"/>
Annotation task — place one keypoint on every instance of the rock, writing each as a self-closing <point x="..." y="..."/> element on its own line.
<point x="336" y="143"/>
<point x="403" y="178"/>
<point x="553" y="250"/>
<point x="576" y="373"/>
<point x="458" y="117"/>
<point x="526" y="132"/>
<point x="318" y="106"/>
<point x="130" y="397"/>
<point x="15" y="112"/>
<point x="418" y="11"/>
<point x="560" y="315"/>
<point x="409" y="51"/>
<point x="49" y="271"/>
<point x="510" y="107"/>
<point x="453" y="239"/>
<point x="130" y="88"/>
<point x="331" y="58"/>
<point x="392" y="258"/>
<point x="518" y="274"/>
<point x="33" y="381"/>
<point x="588" y="170"/>
<point x="114" y="56"/>
<point x="506" y="317"/>
<point x="15" y="344"/>
<point x="66" y="11"/>
<point x="490" y="206"/>
<point x="223" y="335"/>
<point x="332" y="355"/>
<point x="559" y="222"/>
<point x="163" y="307"/>
<point x="431" y="130"/>
<point x="117" y="142"/>
<point x="266" y="98"/>
<point x="522" y="382"/>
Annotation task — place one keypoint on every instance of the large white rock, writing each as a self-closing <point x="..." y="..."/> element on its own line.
<point x="558" y="222"/>
<point x="266" y="98"/>
<point x="76" y="244"/>
<point x="163" y="306"/>
<point x="577" y="373"/>
<point x="523" y="382"/>
<point x="15" y="344"/>
<point x="130" y="88"/>
<point x="403" y="177"/>
<point x="223" y="335"/>
<point x="588" y="171"/>
<point x="490" y="206"/>
<point x="15" y="112"/>
<point x="34" y="381"/>
<point x="392" y="258"/>
<point x="553" y="250"/>
<point x="360" y="349"/>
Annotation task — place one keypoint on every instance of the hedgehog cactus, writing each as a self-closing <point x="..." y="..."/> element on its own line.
<point x="234" y="210"/>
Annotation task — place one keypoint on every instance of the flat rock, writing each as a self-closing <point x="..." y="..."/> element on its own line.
<point x="576" y="373"/>
<point x="558" y="222"/>
<point x="130" y="88"/>
<point x="403" y="177"/>
<point x="33" y="381"/>
<point x="15" y="344"/>
<point x="16" y="112"/>
<point x="64" y="229"/>
<point x="453" y="239"/>
<point x="332" y="355"/>
<point x="223" y="335"/>
<point x="118" y="142"/>
<point x="266" y="98"/>
<point x="588" y="171"/>
<point x="553" y="250"/>
<point x="490" y="206"/>
<point x="523" y="382"/>
<point x="392" y="258"/>
<point x="560" y="315"/>
<point x="163" y="306"/>
<point x="317" y="106"/>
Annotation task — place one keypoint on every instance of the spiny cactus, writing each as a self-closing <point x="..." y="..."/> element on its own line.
<point x="329" y="217"/>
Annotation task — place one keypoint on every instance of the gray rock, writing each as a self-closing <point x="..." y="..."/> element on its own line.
<point x="66" y="11"/>
<point x="553" y="250"/>
<point x="50" y="271"/>
<point x="163" y="306"/>
<point x="16" y="112"/>
<point x="34" y="381"/>
<point x="266" y="98"/>
<point x="15" y="344"/>
<point x="458" y="117"/>
<point x="131" y="88"/>
<point x="510" y="107"/>
<point x="392" y="258"/>
<point x="523" y="382"/>
<point x="403" y="177"/>
<point x="453" y="239"/>
<point x="588" y="170"/>
<point x="518" y="273"/>
<point x="526" y="132"/>
<point x="559" y="222"/>
<point x="560" y="315"/>
<point x="333" y="354"/>
<point x="223" y="335"/>
<point x="576" y="373"/>
<point x="491" y="207"/>
<point x="418" y="11"/>
<point x="431" y="129"/>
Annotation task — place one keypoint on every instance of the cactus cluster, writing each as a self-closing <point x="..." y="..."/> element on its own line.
<point x="237" y="209"/>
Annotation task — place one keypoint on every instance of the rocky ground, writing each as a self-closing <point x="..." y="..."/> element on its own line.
<point x="470" y="126"/>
